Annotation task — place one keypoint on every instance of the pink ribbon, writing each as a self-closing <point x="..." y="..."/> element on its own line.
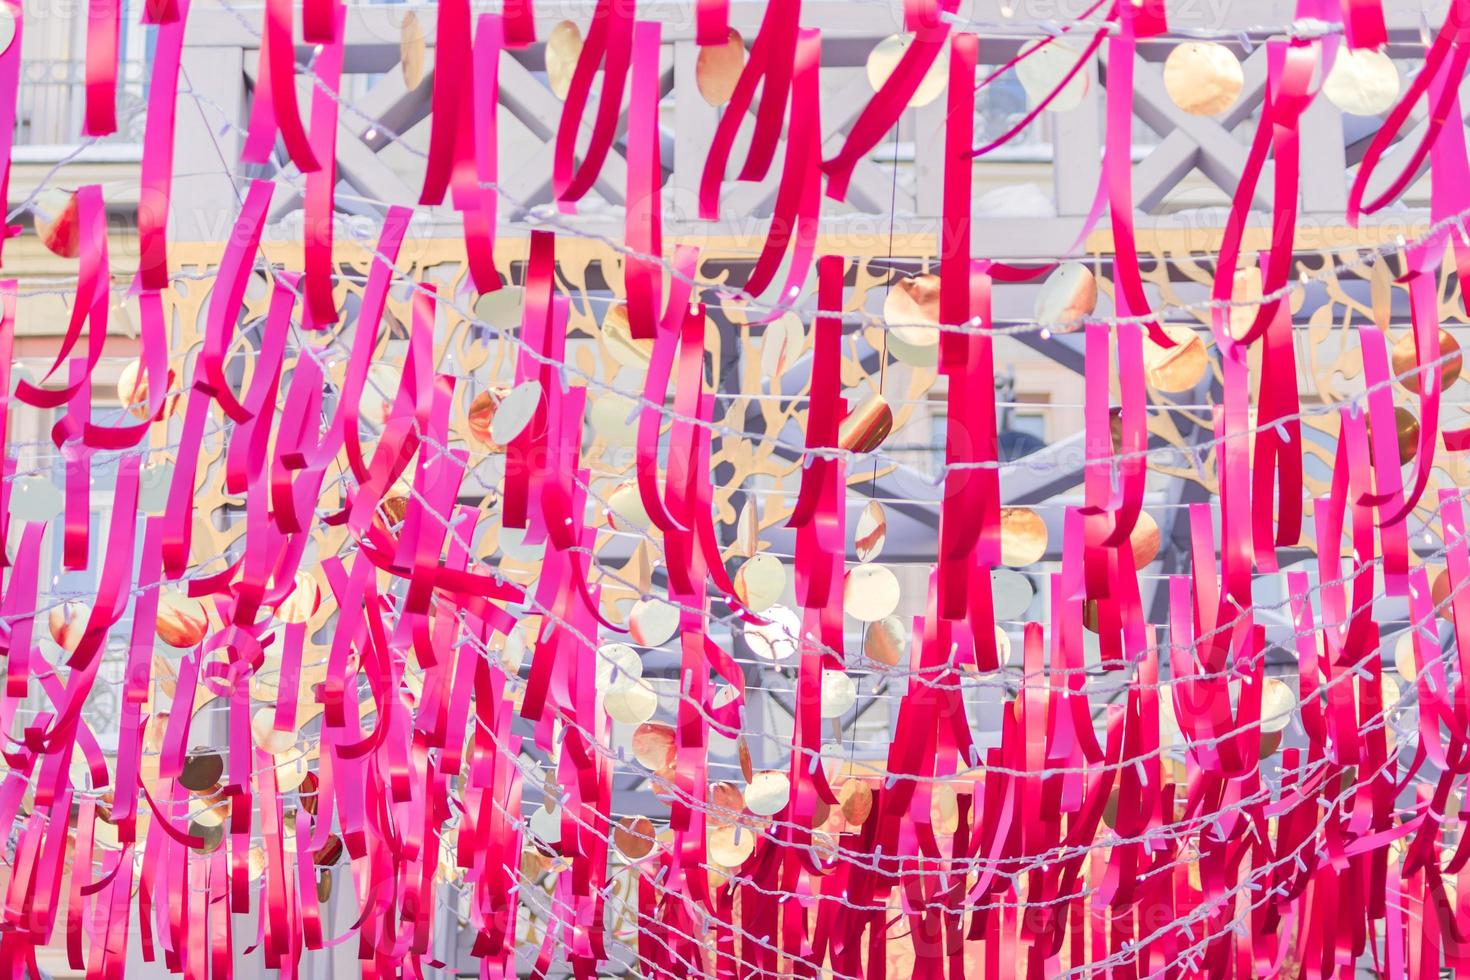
<point x="274" y="111"/>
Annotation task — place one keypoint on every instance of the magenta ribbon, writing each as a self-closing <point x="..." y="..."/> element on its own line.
<point x="609" y="46"/>
<point x="643" y="220"/>
<point x="453" y="98"/>
<point x="476" y="172"/>
<point x="155" y="181"/>
<point x="100" y="117"/>
<point x="274" y="110"/>
<point x="884" y="109"/>
<point x="90" y="306"/>
<point x="9" y="89"/>
<point x="320" y="310"/>
<point x="770" y="67"/>
<point x="798" y="198"/>
<point x="1444" y="63"/>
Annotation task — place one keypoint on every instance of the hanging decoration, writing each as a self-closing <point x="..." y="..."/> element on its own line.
<point x="444" y="614"/>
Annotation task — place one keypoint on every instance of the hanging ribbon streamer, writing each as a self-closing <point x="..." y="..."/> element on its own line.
<point x="273" y="111"/>
<point x="453" y="99"/>
<point x="771" y="65"/>
<point x="798" y="199"/>
<point x="642" y="272"/>
<point x="100" y="118"/>
<point x="608" y="46"/>
<point x="476" y="172"/>
<point x="155" y="185"/>
<point x="89" y="308"/>
<point x="9" y="91"/>
<point x="883" y="110"/>
<point x="321" y="308"/>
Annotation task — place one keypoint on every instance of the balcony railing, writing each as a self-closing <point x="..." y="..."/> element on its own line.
<point x="52" y="101"/>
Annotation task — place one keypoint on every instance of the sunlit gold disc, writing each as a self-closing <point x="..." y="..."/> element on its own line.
<point x="856" y="799"/>
<point x="57" y="218"/>
<point x="263" y="730"/>
<point x="501" y="308"/>
<point x="1203" y="78"/>
<point x="609" y="418"/>
<point x="884" y="58"/>
<point x="866" y="426"/>
<point x="618" y="665"/>
<point x="617" y="334"/>
<point x="884" y="641"/>
<point x="35" y="498"/>
<point x="1404" y="360"/>
<point x="726" y="803"/>
<point x="631" y="705"/>
<point x="1403" y="657"/>
<point x="760" y="582"/>
<point x="767" y="793"/>
<point x="1245" y="295"/>
<point x="633" y="837"/>
<point x="563" y="48"/>
<point x="255" y="862"/>
<point x="871" y="532"/>
<point x="293" y="773"/>
<point x="911" y="312"/>
<point x="202" y="771"/>
<point x="411" y="51"/>
<point x="209" y="810"/>
<point x="514" y="413"/>
<point x="1439" y="590"/>
<point x="654" y="745"/>
<point x="212" y="835"/>
<point x="1270" y="742"/>
<point x="7" y="28"/>
<point x="625" y="510"/>
<point x="1407" y="427"/>
<point x="132" y="390"/>
<point x="182" y="621"/>
<point x="394" y="505"/>
<point x="944" y="809"/>
<point x="870" y="593"/>
<point x="778" y="637"/>
<point x="1278" y="701"/>
<point x="782" y="345"/>
<point x="717" y="68"/>
<point x="1022" y="536"/>
<point x="67" y="623"/>
<point x="1145" y="540"/>
<point x="534" y="864"/>
<point x="302" y="601"/>
<point x="1068" y="296"/>
<point x="1177" y="368"/>
<point x="1042" y="71"/>
<point x="1002" y="648"/>
<point x="482" y="414"/>
<point x="546" y="824"/>
<point x="1362" y="82"/>
<point x="730" y="845"/>
<point x="1010" y="593"/>
<point x="1391" y="694"/>
<point x="838" y="694"/>
<point x="652" y="622"/>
